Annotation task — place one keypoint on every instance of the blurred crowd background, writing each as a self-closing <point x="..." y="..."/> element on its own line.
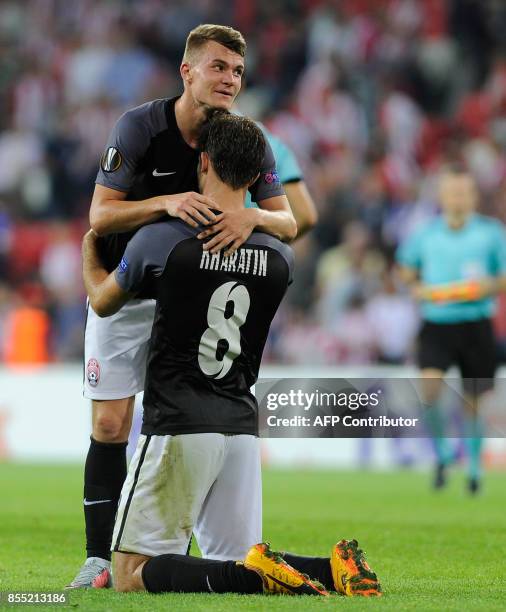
<point x="373" y="96"/>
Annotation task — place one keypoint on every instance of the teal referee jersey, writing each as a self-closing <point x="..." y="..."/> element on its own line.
<point x="445" y="255"/>
<point x="287" y="167"/>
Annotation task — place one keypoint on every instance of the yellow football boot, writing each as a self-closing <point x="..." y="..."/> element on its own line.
<point x="278" y="577"/>
<point x="350" y="571"/>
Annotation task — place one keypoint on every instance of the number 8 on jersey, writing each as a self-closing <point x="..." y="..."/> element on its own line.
<point x="220" y="344"/>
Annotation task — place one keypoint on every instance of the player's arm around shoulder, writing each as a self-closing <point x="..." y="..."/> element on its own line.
<point x="302" y="205"/>
<point x="105" y="294"/>
<point x="291" y="176"/>
<point x="111" y="213"/>
<point x="233" y="228"/>
<point x="126" y="148"/>
<point x="274" y="215"/>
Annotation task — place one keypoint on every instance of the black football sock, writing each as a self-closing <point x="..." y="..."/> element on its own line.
<point x="104" y="473"/>
<point x="185" y="574"/>
<point x="317" y="568"/>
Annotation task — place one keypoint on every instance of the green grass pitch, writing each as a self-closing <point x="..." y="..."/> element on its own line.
<point x="431" y="551"/>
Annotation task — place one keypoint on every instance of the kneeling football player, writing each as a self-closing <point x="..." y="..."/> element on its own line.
<point x="197" y="463"/>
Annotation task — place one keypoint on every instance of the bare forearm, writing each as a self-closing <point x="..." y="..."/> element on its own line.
<point x="106" y="296"/>
<point x="278" y="223"/>
<point x="114" y="216"/>
<point x="94" y="272"/>
<point x="302" y="205"/>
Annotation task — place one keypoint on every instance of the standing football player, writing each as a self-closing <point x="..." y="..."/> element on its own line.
<point x="456" y="264"/>
<point x="197" y="462"/>
<point x="148" y="171"/>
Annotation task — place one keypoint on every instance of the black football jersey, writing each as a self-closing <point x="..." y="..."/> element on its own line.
<point x="147" y="156"/>
<point x="211" y="324"/>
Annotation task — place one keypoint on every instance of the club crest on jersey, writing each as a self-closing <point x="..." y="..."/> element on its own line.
<point x="271" y="177"/>
<point x="111" y="160"/>
<point x="93" y="372"/>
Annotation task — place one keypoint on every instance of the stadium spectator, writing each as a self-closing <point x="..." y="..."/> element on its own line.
<point x="26" y="329"/>
<point x="346" y="271"/>
<point x="393" y="321"/>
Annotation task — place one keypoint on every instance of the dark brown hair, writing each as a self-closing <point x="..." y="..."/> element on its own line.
<point x="235" y="145"/>
<point x="224" y="35"/>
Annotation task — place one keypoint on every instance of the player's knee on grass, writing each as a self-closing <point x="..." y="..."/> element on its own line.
<point x="112" y="419"/>
<point x="128" y="572"/>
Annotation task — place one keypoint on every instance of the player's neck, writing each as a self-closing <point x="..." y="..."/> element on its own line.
<point x="189" y="118"/>
<point x="224" y="196"/>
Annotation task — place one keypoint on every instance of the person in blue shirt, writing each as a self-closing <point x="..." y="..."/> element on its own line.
<point x="456" y="264"/>
<point x="290" y="175"/>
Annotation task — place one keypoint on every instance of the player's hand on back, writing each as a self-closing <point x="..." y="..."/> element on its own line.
<point x="191" y="207"/>
<point x="230" y="231"/>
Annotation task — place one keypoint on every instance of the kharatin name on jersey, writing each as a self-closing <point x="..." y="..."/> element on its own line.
<point x="245" y="261"/>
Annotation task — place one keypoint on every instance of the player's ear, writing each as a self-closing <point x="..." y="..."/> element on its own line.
<point x="253" y="181"/>
<point x="204" y="162"/>
<point x="185" y="72"/>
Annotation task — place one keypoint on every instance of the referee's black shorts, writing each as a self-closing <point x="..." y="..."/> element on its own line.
<point x="470" y="346"/>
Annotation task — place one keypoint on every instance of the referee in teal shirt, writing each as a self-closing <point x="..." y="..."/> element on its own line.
<point x="456" y="264"/>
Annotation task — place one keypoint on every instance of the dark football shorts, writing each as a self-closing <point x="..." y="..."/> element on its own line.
<point x="470" y="346"/>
